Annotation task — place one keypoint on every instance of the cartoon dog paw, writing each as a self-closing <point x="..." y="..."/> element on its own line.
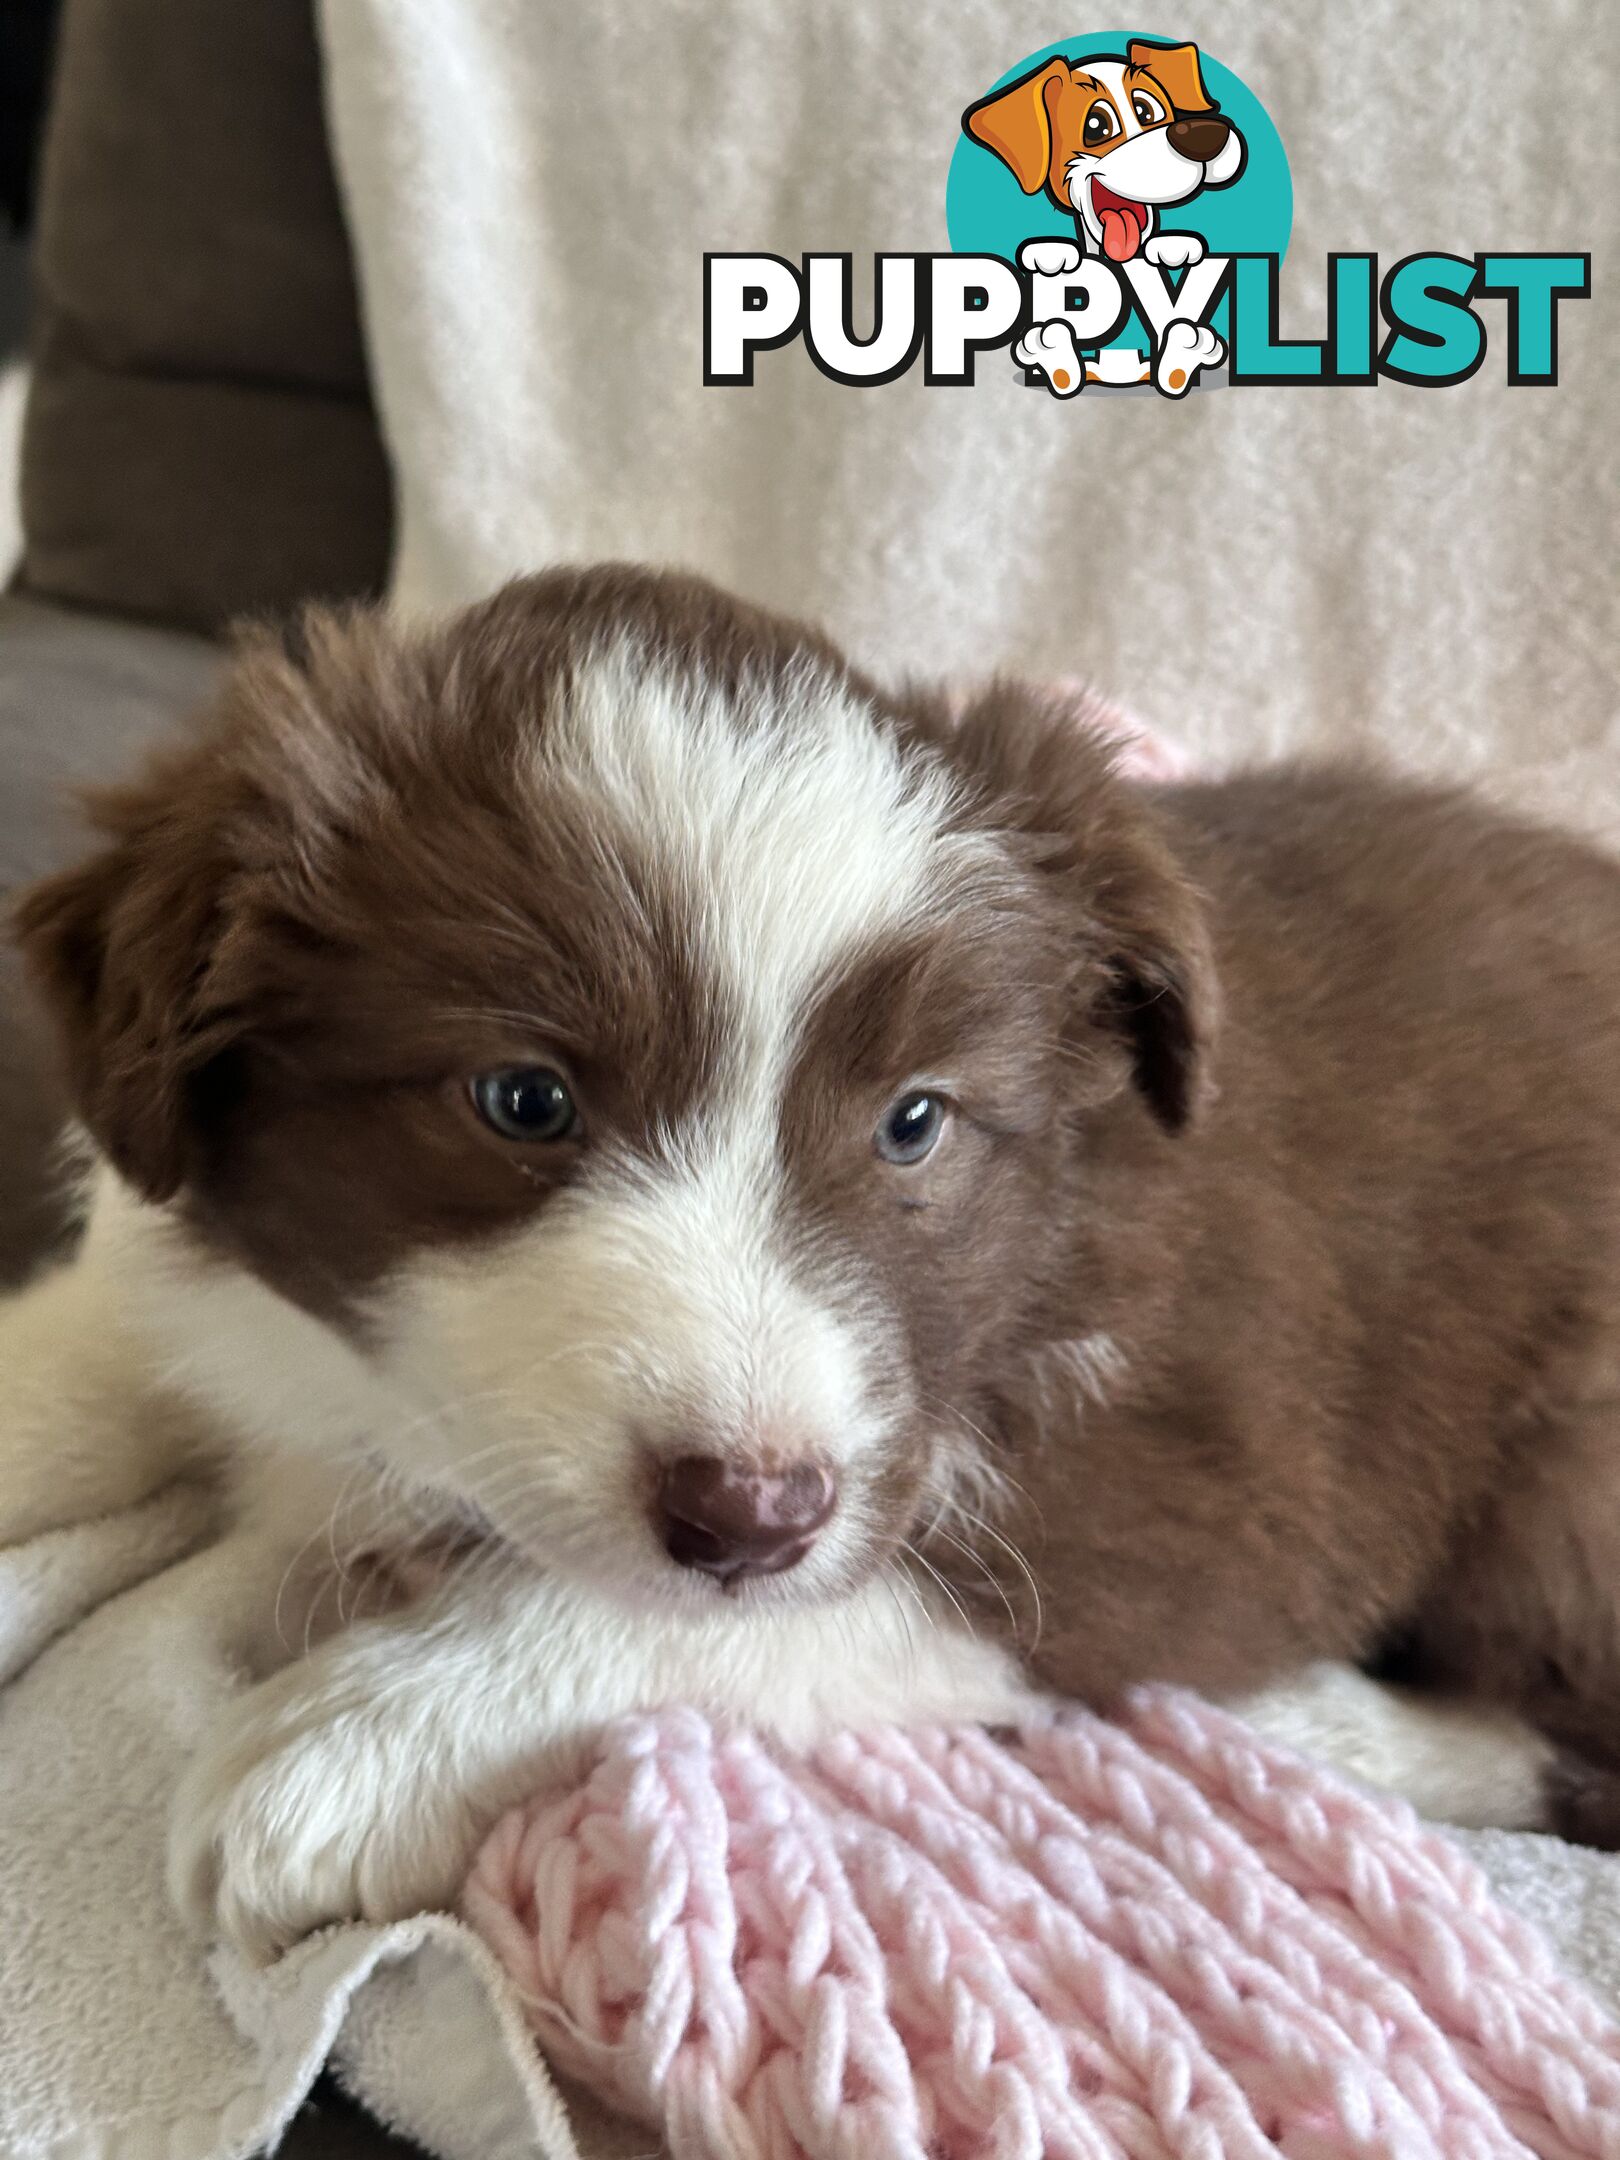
<point x="1174" y="250"/>
<point x="1050" y="347"/>
<point x="1050" y="258"/>
<point x="1184" y="349"/>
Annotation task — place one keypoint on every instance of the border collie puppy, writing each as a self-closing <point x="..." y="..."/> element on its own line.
<point x="826" y="1203"/>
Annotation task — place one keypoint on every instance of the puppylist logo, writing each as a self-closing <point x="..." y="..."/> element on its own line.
<point x="1118" y="209"/>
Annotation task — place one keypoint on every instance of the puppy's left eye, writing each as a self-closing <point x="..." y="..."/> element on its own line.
<point x="910" y="1128"/>
<point x="1146" y="108"/>
<point x="525" y="1102"/>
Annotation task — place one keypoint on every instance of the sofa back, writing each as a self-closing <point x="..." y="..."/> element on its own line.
<point x="199" y="440"/>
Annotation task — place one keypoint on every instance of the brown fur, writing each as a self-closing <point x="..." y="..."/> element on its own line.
<point x="1302" y="1089"/>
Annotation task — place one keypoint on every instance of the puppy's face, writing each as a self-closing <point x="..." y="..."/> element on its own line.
<point x="1114" y="140"/>
<point x="663" y="1062"/>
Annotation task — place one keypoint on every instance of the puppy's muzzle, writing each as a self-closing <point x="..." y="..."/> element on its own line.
<point x="1199" y="136"/>
<point x="732" y="1522"/>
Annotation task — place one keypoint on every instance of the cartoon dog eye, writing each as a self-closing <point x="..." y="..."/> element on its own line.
<point x="1100" y="126"/>
<point x="1147" y="108"/>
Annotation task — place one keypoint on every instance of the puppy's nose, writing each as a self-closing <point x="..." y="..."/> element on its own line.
<point x="1199" y="137"/>
<point x="729" y="1521"/>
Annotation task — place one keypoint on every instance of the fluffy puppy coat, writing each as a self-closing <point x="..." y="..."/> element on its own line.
<point x="1252" y="1303"/>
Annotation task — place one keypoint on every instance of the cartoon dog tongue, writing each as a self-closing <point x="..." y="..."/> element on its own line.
<point x="1121" y="232"/>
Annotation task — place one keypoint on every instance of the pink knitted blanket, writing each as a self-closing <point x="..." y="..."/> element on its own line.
<point x="1148" y="1938"/>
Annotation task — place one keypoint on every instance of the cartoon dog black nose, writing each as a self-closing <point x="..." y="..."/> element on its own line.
<point x="1200" y="137"/>
<point x="732" y="1522"/>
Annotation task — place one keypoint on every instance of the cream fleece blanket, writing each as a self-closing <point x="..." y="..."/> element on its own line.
<point x="531" y="190"/>
<point x="119" y="2041"/>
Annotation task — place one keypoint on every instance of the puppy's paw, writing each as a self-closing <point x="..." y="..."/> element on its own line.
<point x="1050" y="258"/>
<point x="1050" y="348"/>
<point x="1173" y="250"/>
<point x="310" y="1806"/>
<point x="1184" y="349"/>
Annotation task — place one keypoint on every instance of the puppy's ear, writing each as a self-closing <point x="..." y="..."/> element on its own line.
<point x="1134" y="926"/>
<point x="1176" y="70"/>
<point x="1016" y="123"/>
<point x="1162" y="991"/>
<point x="119" y="948"/>
<point x="149" y="955"/>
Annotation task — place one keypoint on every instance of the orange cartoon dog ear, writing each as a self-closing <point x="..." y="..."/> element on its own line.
<point x="1175" y="68"/>
<point x="1016" y="123"/>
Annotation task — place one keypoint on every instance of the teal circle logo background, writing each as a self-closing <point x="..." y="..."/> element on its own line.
<point x="988" y="213"/>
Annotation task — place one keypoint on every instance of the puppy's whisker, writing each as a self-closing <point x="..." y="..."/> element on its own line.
<point x="900" y="1576"/>
<point x="321" y="1529"/>
<point x="1006" y="1544"/>
<point x="928" y="1567"/>
<point x="991" y="1577"/>
<point x="990" y="1473"/>
<point x="887" y="1578"/>
<point x="515" y="1469"/>
<point x="450" y="1414"/>
<point x="993" y="1450"/>
<point x="499" y="1016"/>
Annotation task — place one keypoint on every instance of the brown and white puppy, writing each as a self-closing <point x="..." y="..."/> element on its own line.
<point x="848" y="1209"/>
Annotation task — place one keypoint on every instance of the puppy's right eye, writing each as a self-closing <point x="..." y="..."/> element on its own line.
<point x="910" y="1128"/>
<point x="526" y="1102"/>
<point x="1099" y="127"/>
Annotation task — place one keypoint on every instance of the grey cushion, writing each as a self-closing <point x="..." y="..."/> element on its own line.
<point x="79" y="696"/>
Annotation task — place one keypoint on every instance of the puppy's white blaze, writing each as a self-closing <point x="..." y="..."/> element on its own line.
<point x="794" y="825"/>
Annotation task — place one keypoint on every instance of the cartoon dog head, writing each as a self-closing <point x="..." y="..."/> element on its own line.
<point x="1112" y="139"/>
